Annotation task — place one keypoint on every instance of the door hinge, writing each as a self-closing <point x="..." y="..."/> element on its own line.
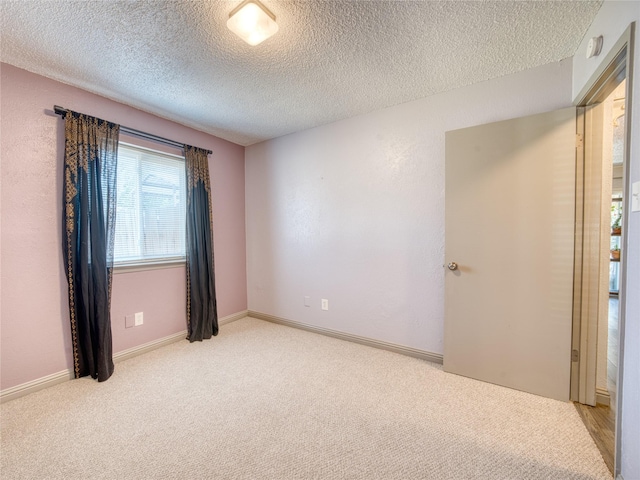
<point x="575" y="355"/>
<point x="579" y="140"/>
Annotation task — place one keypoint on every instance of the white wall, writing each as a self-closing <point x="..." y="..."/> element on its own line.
<point x="611" y="21"/>
<point x="353" y="211"/>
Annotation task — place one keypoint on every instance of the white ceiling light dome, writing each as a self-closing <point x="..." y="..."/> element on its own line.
<point x="252" y="22"/>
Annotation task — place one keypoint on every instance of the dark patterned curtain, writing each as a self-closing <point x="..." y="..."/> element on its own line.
<point x="90" y="160"/>
<point x="202" y="316"/>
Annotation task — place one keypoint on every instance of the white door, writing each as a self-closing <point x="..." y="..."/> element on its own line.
<point x="510" y="207"/>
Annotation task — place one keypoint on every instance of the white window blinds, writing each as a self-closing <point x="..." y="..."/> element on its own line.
<point x="150" y="218"/>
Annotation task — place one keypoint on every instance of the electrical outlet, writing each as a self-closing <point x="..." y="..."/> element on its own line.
<point x="307" y="301"/>
<point x="129" y="321"/>
<point x="325" y="304"/>
<point x="139" y="319"/>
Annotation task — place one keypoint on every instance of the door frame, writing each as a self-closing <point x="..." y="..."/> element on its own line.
<point x="617" y="63"/>
<point x="587" y="255"/>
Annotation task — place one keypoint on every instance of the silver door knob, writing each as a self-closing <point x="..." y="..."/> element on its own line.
<point x="452" y="266"/>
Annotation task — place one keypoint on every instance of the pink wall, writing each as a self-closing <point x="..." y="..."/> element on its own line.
<point x="34" y="322"/>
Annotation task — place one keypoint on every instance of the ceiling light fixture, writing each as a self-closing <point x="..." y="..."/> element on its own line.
<point x="252" y="22"/>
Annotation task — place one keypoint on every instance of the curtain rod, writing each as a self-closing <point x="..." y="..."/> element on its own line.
<point x="132" y="131"/>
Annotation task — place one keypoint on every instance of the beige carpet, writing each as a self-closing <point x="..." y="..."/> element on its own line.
<point x="264" y="401"/>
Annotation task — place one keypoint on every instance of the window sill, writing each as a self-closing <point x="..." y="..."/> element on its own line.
<point x="144" y="266"/>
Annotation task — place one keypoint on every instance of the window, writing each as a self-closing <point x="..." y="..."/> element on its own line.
<point x="150" y="215"/>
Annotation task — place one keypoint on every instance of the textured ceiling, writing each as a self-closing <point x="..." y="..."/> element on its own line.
<point x="330" y="59"/>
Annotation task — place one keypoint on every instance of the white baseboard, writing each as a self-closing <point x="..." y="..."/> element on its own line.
<point x="149" y="346"/>
<point x="392" y="347"/>
<point x="65" y="375"/>
<point x="233" y="317"/>
<point x="35" y="385"/>
<point x="602" y="396"/>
